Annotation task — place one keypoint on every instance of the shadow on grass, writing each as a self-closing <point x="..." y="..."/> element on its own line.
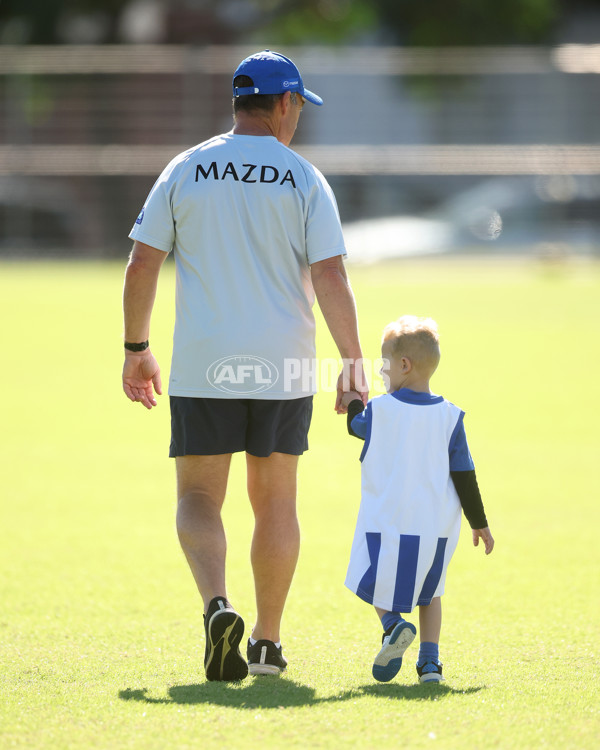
<point x="417" y="692"/>
<point x="279" y="693"/>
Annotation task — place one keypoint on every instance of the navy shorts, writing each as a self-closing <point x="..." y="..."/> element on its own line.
<point x="211" y="426"/>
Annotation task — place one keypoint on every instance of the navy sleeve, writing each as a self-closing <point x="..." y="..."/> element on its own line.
<point x="357" y="425"/>
<point x="462" y="471"/>
<point x="458" y="449"/>
<point x="468" y="493"/>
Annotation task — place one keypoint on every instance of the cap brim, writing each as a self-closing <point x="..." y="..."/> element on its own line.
<point x="310" y="97"/>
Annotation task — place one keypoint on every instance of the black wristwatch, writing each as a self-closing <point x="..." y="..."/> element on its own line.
<point x="136" y="347"/>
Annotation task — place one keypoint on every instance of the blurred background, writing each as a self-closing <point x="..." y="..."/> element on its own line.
<point x="448" y="125"/>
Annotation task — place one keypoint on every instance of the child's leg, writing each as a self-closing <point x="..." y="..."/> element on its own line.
<point x="388" y="619"/>
<point x="429" y="667"/>
<point x="397" y="637"/>
<point x="430" y="621"/>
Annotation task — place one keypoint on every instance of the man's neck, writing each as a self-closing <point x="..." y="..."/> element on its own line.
<point x="249" y="125"/>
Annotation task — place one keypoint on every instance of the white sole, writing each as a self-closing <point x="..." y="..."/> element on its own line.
<point x="264" y="669"/>
<point x="395" y="650"/>
<point x="433" y="677"/>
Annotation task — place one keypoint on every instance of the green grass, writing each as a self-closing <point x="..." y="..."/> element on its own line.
<point x="100" y="626"/>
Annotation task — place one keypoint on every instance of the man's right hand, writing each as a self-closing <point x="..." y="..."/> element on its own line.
<point x="141" y="378"/>
<point x="349" y="397"/>
<point x="352" y="378"/>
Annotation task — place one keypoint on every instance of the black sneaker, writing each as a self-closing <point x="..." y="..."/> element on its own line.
<point x="430" y="671"/>
<point x="224" y="631"/>
<point x="265" y="658"/>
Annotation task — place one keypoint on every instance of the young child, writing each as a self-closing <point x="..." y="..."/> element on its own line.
<point x="417" y="472"/>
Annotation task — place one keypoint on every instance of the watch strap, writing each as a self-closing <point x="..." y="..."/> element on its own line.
<point x="136" y="347"/>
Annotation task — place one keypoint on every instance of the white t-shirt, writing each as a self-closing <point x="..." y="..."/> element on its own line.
<point x="246" y="217"/>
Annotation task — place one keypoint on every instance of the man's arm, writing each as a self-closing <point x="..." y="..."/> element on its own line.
<point x="336" y="301"/>
<point x="141" y="373"/>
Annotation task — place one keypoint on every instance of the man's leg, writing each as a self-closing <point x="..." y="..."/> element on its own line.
<point x="201" y="485"/>
<point x="276" y="540"/>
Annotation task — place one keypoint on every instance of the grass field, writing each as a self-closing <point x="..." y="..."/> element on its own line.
<point x="100" y="626"/>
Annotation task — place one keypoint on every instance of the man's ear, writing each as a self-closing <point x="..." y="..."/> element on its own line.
<point x="286" y="101"/>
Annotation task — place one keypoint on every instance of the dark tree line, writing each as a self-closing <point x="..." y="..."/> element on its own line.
<point x="407" y="22"/>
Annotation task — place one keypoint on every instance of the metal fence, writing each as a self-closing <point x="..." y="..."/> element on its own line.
<point x="86" y="130"/>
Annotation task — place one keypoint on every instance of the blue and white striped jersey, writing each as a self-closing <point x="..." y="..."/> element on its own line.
<point x="409" y="518"/>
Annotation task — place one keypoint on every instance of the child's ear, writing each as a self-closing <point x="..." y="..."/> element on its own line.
<point x="406" y="364"/>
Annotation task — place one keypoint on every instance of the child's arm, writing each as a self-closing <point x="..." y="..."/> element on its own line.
<point x="462" y="471"/>
<point x="353" y="402"/>
<point x="467" y="489"/>
<point x="468" y="493"/>
<point x="486" y="536"/>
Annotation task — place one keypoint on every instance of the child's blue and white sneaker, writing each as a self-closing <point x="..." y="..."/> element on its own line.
<point x="389" y="660"/>
<point x="430" y="671"/>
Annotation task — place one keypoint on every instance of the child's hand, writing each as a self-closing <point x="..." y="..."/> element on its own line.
<point x="350" y="396"/>
<point x="486" y="536"/>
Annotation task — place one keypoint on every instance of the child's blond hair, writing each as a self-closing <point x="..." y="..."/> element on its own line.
<point x="415" y="338"/>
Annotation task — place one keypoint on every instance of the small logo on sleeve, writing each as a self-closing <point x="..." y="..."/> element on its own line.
<point x="140" y="218"/>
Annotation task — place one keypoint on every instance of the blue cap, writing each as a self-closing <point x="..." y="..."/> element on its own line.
<point x="272" y="73"/>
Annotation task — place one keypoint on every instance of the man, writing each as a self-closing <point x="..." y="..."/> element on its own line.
<point x="256" y="235"/>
